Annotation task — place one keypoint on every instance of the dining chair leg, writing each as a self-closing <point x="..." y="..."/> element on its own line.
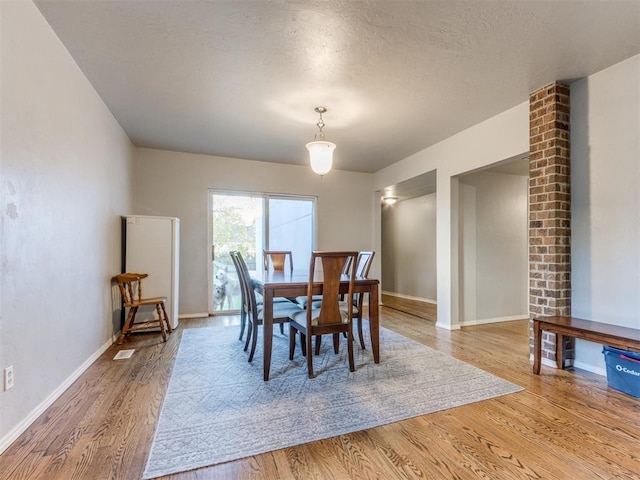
<point x="166" y="318"/>
<point x="292" y="342"/>
<point x="318" y="342"/>
<point x="243" y="324"/>
<point x="254" y="342"/>
<point x="127" y="324"/>
<point x="309" y="356"/>
<point x="336" y="342"/>
<point x="352" y="366"/>
<point x="160" y="323"/>
<point x="250" y="328"/>
<point x="303" y="343"/>
<point x="360" y="334"/>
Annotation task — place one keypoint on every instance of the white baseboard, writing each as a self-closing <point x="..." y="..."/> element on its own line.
<point x="590" y="368"/>
<point x="544" y="361"/>
<point x="26" y="422"/>
<point x="447" y="326"/>
<point x="483" y="321"/>
<point x="193" y="315"/>
<point x="582" y="366"/>
<point x="408" y="297"/>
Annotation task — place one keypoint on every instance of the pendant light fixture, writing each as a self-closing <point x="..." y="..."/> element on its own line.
<point x="320" y="151"/>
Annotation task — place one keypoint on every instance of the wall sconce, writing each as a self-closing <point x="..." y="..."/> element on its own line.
<point x="320" y="151"/>
<point x="389" y="200"/>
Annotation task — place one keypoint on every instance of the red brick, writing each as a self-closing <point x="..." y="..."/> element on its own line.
<point x="550" y="205"/>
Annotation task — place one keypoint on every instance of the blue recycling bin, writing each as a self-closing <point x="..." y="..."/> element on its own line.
<point x="623" y="370"/>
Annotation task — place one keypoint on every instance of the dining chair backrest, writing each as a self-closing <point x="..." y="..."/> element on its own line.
<point x="362" y="270"/>
<point x="130" y="285"/>
<point x="364" y="263"/>
<point x="332" y="264"/>
<point x="347" y="266"/>
<point x="246" y="284"/>
<point x="236" y="263"/>
<point x="277" y="259"/>
<point x="244" y="306"/>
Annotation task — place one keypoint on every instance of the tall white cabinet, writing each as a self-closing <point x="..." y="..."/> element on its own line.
<point x="152" y="245"/>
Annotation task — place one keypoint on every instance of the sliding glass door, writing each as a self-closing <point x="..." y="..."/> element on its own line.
<point x="251" y="223"/>
<point x="290" y="227"/>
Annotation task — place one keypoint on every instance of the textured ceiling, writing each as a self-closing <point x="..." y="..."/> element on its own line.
<point x="241" y="78"/>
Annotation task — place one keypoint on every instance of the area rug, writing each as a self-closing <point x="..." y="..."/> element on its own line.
<point x="217" y="407"/>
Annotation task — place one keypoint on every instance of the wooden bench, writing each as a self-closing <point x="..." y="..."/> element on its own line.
<point x="613" y="335"/>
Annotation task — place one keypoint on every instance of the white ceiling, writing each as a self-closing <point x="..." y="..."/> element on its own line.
<point x="242" y="78"/>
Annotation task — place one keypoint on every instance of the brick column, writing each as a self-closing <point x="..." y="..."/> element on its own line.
<point x="549" y="210"/>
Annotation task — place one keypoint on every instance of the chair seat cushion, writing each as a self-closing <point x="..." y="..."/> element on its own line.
<point x="343" y="306"/>
<point x="301" y="316"/>
<point x="302" y="300"/>
<point x="277" y="300"/>
<point x="260" y="301"/>
<point x="282" y="310"/>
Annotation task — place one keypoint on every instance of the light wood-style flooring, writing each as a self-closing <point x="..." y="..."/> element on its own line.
<point x="564" y="425"/>
<point x="417" y="308"/>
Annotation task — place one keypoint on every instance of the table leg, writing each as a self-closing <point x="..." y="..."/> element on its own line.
<point x="267" y="330"/>
<point x="559" y="351"/>
<point x="537" y="346"/>
<point x="374" y="323"/>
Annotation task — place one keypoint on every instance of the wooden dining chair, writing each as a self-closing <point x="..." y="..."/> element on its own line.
<point x="329" y="317"/>
<point x="363" y="265"/>
<point x="130" y="285"/>
<point x="245" y="307"/>
<point x="277" y="259"/>
<point x="255" y="310"/>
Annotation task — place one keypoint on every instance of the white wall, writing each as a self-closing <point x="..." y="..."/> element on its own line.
<point x="493" y="247"/>
<point x="65" y="166"/>
<point x="409" y="247"/>
<point x="499" y="138"/>
<point x="176" y="184"/>
<point x="605" y="180"/>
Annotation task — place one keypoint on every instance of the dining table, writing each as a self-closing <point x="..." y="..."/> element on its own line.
<point x="294" y="283"/>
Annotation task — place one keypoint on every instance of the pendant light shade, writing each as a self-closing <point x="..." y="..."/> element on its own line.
<point x="321" y="156"/>
<point x="321" y="151"/>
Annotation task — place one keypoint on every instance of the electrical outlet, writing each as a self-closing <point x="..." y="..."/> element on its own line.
<point x="8" y="378"/>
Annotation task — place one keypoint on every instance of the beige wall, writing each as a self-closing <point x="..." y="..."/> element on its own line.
<point x="409" y="247"/>
<point x="503" y="137"/>
<point x="605" y="203"/>
<point x="65" y="168"/>
<point x="177" y="185"/>
<point x="493" y="247"/>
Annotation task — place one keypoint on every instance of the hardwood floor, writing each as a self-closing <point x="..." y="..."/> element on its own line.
<point x="564" y="425"/>
<point x="417" y="308"/>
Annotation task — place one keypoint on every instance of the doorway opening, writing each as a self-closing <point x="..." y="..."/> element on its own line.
<point x="408" y="246"/>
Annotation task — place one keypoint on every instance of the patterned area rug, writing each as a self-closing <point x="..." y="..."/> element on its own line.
<point x="217" y="407"/>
